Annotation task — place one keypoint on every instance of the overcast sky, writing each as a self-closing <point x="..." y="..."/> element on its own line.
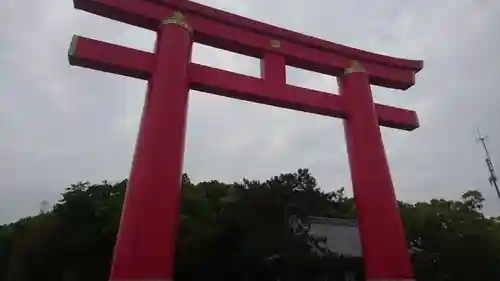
<point x="61" y="124"/>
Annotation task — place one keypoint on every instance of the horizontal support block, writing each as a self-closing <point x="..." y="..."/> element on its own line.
<point x="98" y="55"/>
<point x="215" y="33"/>
<point x="125" y="61"/>
<point x="395" y="117"/>
<point x="230" y="84"/>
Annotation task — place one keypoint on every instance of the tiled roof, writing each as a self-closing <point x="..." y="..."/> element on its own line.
<point x="342" y="235"/>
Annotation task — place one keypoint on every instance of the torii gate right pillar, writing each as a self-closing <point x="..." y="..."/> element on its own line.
<point x="385" y="253"/>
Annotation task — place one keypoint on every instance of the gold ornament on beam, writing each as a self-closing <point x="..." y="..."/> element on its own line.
<point x="178" y="19"/>
<point x="275" y="44"/>
<point x="355" y="67"/>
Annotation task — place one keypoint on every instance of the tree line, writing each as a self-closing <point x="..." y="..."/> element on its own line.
<point x="241" y="231"/>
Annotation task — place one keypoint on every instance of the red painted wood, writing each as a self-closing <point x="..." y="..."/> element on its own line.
<point x="397" y="118"/>
<point x="233" y="85"/>
<point x="273" y="72"/>
<point x="385" y="253"/>
<point x="236" y="40"/>
<point x="108" y="57"/>
<point x="249" y="42"/>
<point x="280" y="33"/>
<point x="145" y="244"/>
<point x="103" y="56"/>
<point x="225" y="83"/>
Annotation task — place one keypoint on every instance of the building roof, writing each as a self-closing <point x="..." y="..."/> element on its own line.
<point x="342" y="235"/>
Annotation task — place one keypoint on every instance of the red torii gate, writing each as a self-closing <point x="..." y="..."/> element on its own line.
<point x="145" y="244"/>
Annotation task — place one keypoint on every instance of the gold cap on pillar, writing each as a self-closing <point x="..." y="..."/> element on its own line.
<point x="178" y="19"/>
<point x="354" y="67"/>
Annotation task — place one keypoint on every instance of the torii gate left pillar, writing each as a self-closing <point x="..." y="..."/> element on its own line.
<point x="145" y="244"/>
<point x="146" y="239"/>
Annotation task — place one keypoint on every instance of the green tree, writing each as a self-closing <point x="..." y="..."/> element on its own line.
<point x="245" y="231"/>
<point x="452" y="240"/>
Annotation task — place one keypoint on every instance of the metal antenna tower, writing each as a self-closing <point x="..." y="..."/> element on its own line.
<point x="493" y="178"/>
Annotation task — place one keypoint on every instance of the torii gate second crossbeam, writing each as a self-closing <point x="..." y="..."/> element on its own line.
<point x="145" y="243"/>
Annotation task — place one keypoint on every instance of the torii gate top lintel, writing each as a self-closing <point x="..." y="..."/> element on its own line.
<point x="281" y="33"/>
<point x="238" y="34"/>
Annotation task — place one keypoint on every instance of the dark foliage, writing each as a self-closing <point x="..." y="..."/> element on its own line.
<point x="241" y="231"/>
